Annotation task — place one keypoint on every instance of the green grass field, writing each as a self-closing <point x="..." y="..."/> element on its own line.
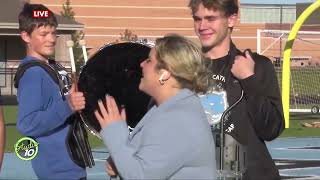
<point x="12" y="134"/>
<point x="295" y="130"/>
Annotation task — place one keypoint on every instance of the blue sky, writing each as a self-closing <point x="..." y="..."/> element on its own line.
<point x="276" y="1"/>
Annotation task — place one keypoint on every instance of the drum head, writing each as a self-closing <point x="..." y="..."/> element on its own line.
<point x="115" y="70"/>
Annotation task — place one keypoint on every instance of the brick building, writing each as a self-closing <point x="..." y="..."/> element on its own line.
<point x="104" y="20"/>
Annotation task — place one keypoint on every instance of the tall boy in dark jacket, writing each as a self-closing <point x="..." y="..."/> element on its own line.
<point x="258" y="117"/>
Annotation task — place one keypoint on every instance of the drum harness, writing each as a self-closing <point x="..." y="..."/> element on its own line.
<point x="222" y="135"/>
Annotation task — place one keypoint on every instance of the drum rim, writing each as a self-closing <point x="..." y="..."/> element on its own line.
<point x="143" y="42"/>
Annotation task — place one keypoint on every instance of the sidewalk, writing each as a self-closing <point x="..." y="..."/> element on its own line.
<point x="295" y="157"/>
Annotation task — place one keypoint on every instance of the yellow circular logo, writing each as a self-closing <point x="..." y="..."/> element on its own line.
<point x="26" y="148"/>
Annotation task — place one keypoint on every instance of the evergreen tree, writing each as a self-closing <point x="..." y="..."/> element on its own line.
<point x="68" y="12"/>
<point x="128" y="36"/>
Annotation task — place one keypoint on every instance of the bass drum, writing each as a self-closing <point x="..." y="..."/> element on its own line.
<point x="114" y="70"/>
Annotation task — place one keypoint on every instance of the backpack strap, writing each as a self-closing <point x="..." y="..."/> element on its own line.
<point x="50" y="70"/>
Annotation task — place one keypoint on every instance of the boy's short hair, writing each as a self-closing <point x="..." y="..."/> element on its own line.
<point x="28" y="23"/>
<point x="228" y="7"/>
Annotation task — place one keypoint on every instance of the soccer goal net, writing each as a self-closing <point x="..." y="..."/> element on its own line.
<point x="304" y="65"/>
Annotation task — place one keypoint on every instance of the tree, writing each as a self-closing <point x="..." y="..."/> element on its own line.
<point x="128" y="36"/>
<point x="68" y="12"/>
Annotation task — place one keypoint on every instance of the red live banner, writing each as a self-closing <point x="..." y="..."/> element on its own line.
<point x="40" y="14"/>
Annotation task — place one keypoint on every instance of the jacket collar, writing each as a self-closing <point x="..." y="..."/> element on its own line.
<point x="182" y="94"/>
<point x="233" y="52"/>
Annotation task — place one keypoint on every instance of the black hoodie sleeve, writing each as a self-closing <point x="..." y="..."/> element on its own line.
<point x="263" y="99"/>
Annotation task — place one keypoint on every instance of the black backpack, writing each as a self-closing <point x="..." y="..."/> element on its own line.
<point x="77" y="139"/>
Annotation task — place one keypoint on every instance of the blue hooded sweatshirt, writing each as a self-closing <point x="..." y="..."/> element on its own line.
<point x="42" y="115"/>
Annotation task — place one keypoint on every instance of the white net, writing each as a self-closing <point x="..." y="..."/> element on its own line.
<point x="305" y="65"/>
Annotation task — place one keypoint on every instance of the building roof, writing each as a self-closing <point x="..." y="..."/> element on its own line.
<point x="9" y="17"/>
<point x="283" y="2"/>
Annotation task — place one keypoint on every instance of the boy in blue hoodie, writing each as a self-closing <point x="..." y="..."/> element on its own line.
<point x="43" y="112"/>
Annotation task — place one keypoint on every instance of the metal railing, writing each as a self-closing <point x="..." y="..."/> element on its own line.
<point x="7" y="73"/>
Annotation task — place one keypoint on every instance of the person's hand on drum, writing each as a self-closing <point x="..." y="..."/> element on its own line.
<point x="76" y="99"/>
<point x="109" y="112"/>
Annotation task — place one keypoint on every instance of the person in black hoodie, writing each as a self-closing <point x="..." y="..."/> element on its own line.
<point x="250" y="90"/>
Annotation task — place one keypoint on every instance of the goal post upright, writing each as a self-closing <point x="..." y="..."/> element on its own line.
<point x="286" y="61"/>
<point x="259" y="41"/>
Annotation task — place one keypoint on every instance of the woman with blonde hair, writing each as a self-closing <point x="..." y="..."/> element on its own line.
<point x="173" y="140"/>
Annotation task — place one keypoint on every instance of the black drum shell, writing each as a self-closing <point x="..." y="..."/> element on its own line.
<point x="115" y="70"/>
